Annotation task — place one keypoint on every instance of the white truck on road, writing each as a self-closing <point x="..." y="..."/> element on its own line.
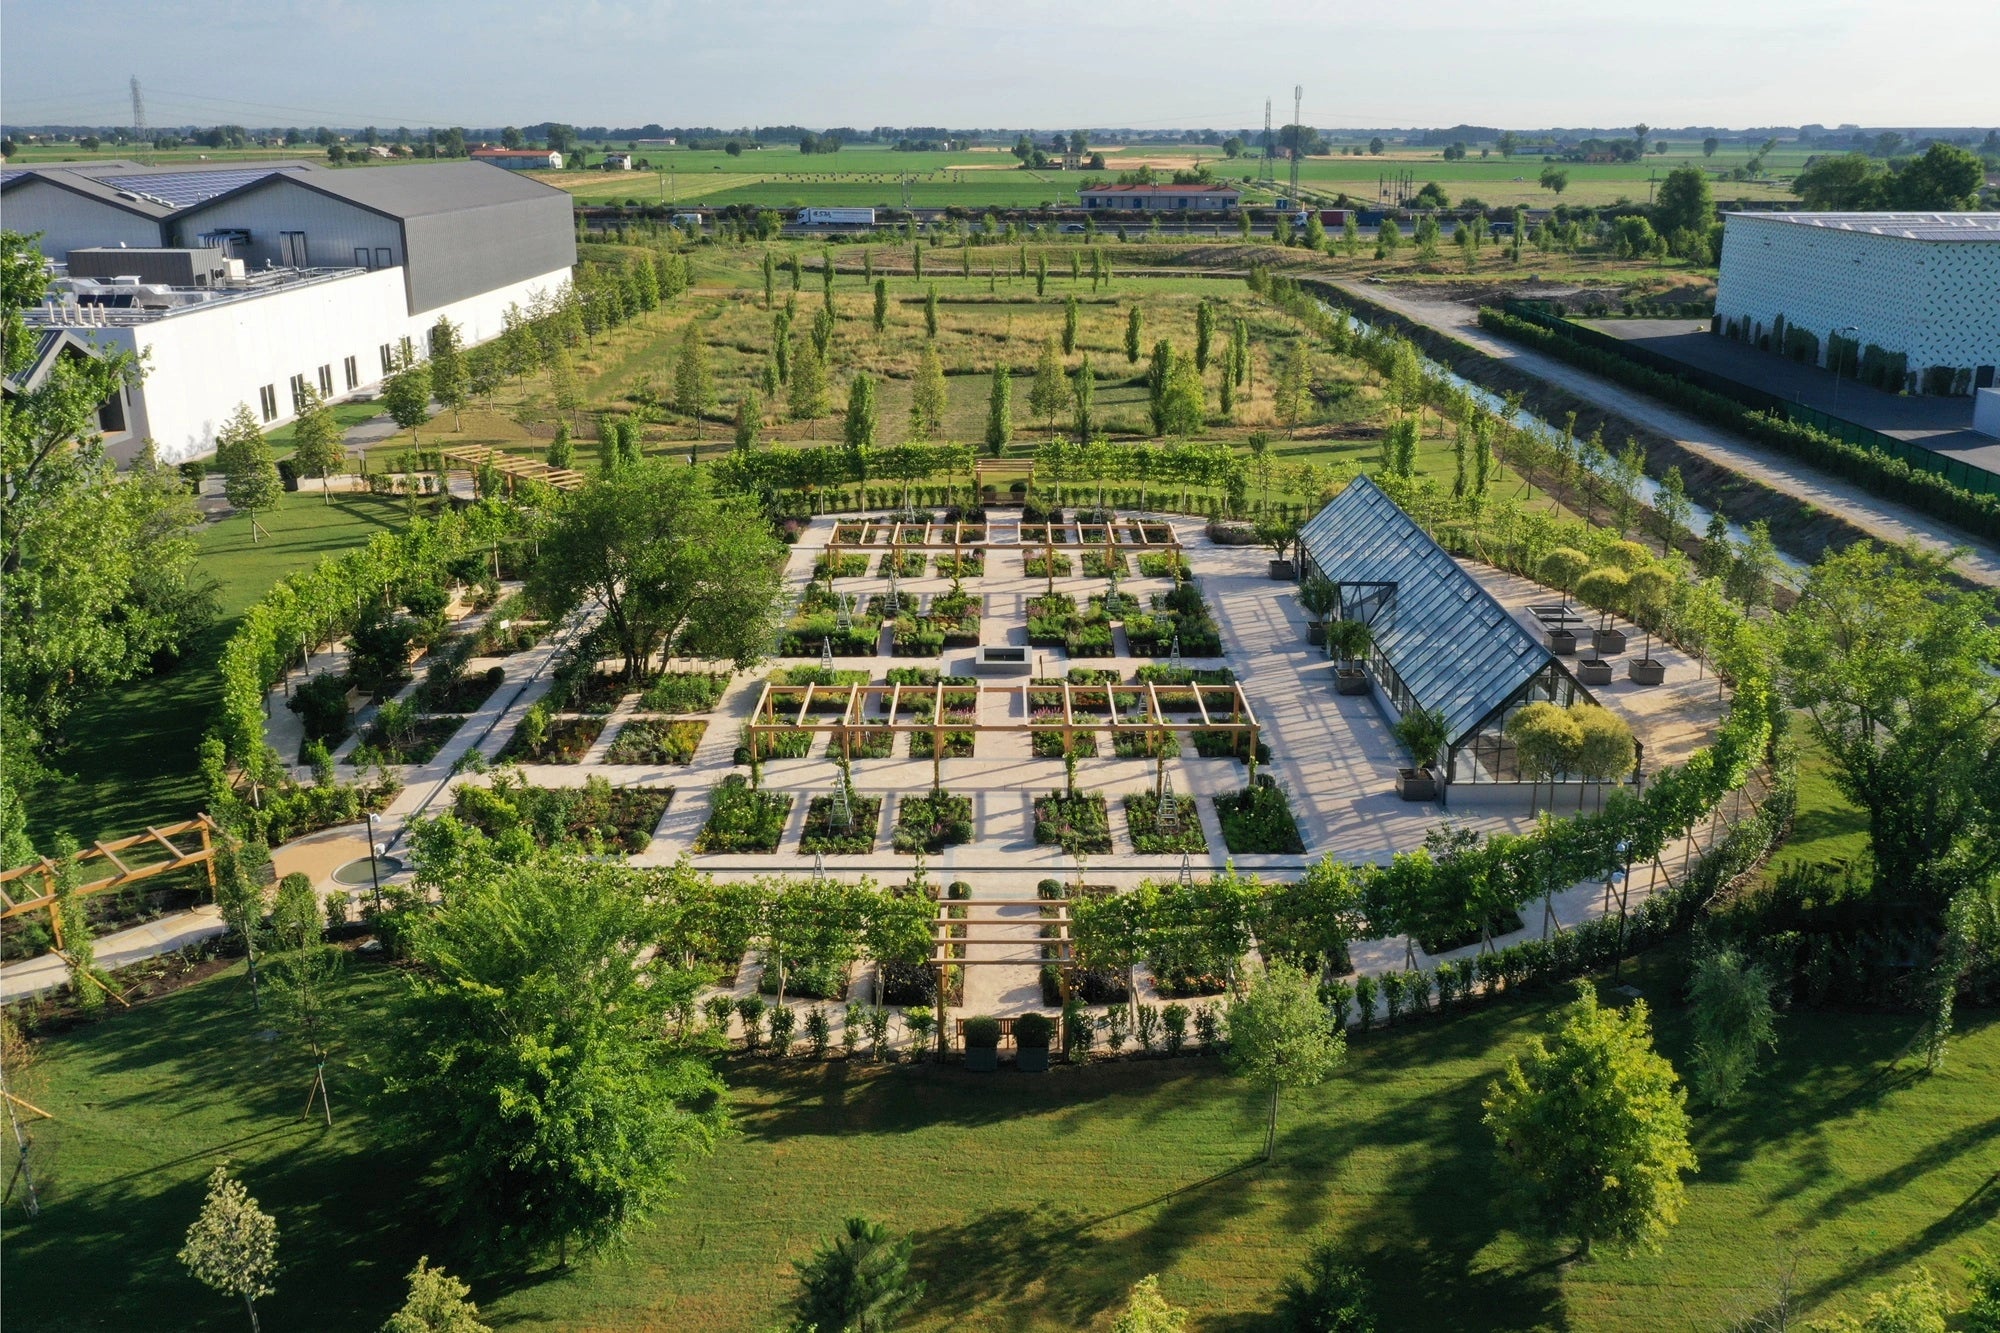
<point x="836" y="217"/>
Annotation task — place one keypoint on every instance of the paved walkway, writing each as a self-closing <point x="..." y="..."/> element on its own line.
<point x="1883" y="519"/>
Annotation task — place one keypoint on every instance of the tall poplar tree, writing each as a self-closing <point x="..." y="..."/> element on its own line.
<point x="927" y="396"/>
<point x="999" y="411"/>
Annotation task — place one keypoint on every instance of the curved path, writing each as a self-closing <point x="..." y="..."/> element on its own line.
<point x="1883" y="519"/>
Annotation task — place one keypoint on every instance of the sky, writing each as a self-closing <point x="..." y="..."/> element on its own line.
<point x="1108" y="63"/>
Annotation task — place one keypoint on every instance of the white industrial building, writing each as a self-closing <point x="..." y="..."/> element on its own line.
<point x="245" y="284"/>
<point x="1925" y="285"/>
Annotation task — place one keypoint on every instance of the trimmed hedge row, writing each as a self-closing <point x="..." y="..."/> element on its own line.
<point x="1891" y="478"/>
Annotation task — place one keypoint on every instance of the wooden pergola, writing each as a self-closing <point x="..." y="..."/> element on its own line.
<point x="123" y="856"/>
<point x="843" y="710"/>
<point x="513" y="467"/>
<point x="1126" y="534"/>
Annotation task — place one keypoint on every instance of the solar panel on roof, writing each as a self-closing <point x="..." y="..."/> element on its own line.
<point x="184" y="188"/>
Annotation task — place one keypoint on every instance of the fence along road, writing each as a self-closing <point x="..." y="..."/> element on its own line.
<point x="1879" y="518"/>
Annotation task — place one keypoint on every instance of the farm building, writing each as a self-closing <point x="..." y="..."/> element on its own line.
<point x="247" y="284"/>
<point x="1163" y="198"/>
<point x="617" y="162"/>
<point x="1923" y="288"/>
<point x="1441" y="640"/>
<point x="520" y="159"/>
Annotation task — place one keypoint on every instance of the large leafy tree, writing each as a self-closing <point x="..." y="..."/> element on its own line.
<point x="316" y="440"/>
<point x="1686" y="202"/>
<point x="678" y="568"/>
<point x="858" y="1282"/>
<point x="535" y="1063"/>
<point x="1594" y="1128"/>
<point x="98" y="576"/>
<point x="1891" y="662"/>
<point x="1280" y="1037"/>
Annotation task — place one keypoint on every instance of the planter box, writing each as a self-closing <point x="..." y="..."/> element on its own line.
<point x="1316" y="634"/>
<point x="1032" y="1059"/>
<point x="1594" y="671"/>
<point x="982" y="1059"/>
<point x="1608" y="641"/>
<point x="1562" y="643"/>
<point x="1646" y="671"/>
<point x="1416" y="784"/>
<point x="1284" y="570"/>
<point x="1004" y="660"/>
<point x="1351" y="680"/>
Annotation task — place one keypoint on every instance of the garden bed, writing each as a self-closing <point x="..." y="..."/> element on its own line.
<point x="595" y="815"/>
<point x="1098" y="565"/>
<point x="742" y="818"/>
<point x="1258" y="819"/>
<point x="862" y="743"/>
<point x="1049" y="744"/>
<point x="965" y="565"/>
<point x="1036" y="565"/>
<point x="932" y="821"/>
<point x="592" y="692"/>
<point x="1079" y="822"/>
<point x="645" y="742"/>
<point x="1142" y="817"/>
<point x="1164" y="565"/>
<point x="905" y="564"/>
<point x="463" y="695"/>
<point x="858" y="840"/>
<point x="847" y="565"/>
<point x="418" y="744"/>
<point x="684" y="692"/>
<point x="776" y="745"/>
<point x="565" y="741"/>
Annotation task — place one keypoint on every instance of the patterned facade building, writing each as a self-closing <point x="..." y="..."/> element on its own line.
<point x="1923" y="285"/>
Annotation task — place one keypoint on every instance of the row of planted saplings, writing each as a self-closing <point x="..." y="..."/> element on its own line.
<point x="811" y="1032"/>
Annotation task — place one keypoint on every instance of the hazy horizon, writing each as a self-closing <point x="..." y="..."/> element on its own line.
<point x="757" y="62"/>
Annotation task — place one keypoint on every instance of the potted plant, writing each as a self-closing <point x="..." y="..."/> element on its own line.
<point x="1423" y="733"/>
<point x="1279" y="535"/>
<point x="1604" y="589"/>
<point x="1594" y="671"/>
<point x="1032" y="1033"/>
<point x="982" y="1044"/>
<point x="1349" y="641"/>
<point x="1645" y="592"/>
<point x="1318" y="597"/>
<point x="1560" y="570"/>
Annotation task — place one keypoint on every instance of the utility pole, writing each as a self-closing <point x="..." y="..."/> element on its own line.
<point x="1298" y="138"/>
<point x="1265" y="170"/>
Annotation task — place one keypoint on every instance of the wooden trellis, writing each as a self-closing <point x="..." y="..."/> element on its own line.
<point x="178" y="857"/>
<point x="843" y="710"/>
<point x="1124" y="534"/>
<point x="514" y="467"/>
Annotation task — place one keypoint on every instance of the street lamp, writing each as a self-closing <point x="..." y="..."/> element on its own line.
<point x="1620" y="876"/>
<point x="375" y="850"/>
<point x="1850" y="328"/>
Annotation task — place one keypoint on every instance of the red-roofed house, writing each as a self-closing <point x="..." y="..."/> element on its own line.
<point x="1169" y="198"/>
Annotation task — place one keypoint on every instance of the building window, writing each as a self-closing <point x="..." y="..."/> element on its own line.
<point x="293" y="246"/>
<point x="326" y="381"/>
<point x="353" y="373"/>
<point x="388" y="359"/>
<point x="361" y="257"/>
<point x="298" y="393"/>
<point x="409" y="352"/>
<point x="267" y="398"/>
<point x="384" y="259"/>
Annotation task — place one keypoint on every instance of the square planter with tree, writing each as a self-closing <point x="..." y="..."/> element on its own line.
<point x="1349" y="641"/>
<point x="982" y="1044"/>
<point x="1423" y="732"/>
<point x="1032" y="1034"/>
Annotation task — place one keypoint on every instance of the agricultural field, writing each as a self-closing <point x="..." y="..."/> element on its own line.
<point x="1035" y="1202"/>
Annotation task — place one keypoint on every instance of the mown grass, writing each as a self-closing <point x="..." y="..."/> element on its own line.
<point x="132" y="750"/>
<point x="1034" y="1202"/>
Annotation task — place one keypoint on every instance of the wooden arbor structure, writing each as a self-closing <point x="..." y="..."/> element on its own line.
<point x="513" y="468"/>
<point x="125" y="857"/>
<point x="1148" y="708"/>
<point x="1051" y="945"/>
<point x="869" y="535"/>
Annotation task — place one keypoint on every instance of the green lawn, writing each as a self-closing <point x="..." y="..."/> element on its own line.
<point x="132" y="749"/>
<point x="1035" y="1202"/>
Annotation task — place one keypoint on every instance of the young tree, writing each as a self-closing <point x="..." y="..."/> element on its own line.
<point x="304" y="971"/>
<point x="561" y="451"/>
<point x="930" y="311"/>
<point x="232" y="1246"/>
<point x="1279" y="1037"/>
<point x="694" y="387"/>
<point x="808" y="385"/>
<point x="1147" y="1311"/>
<point x="565" y="390"/>
<point x="1041" y="273"/>
<point x="1135" y="325"/>
<point x="781" y="345"/>
<point x="1289" y="398"/>
<point x="316" y="441"/>
<point x="770" y="267"/>
<point x="1183" y="406"/>
<point x="999" y="411"/>
<point x="407" y="393"/>
<point x="437" y="1301"/>
<point x="1594" y="1128"/>
<point x="1671" y="508"/>
<point x="858" y="1282"/>
<point x="1730" y="997"/>
<point x="928" y="396"/>
<point x="450" y="384"/>
<point x="1050" y="392"/>
<point x="858" y="431"/>
<point x="249" y="477"/>
<point x="1083" y="385"/>
<point x="1204" y="330"/>
<point x="749" y="417"/>
<point x="1069" y="325"/>
<point x="1554" y="179"/>
<point x="536" y="1063"/>
<point x="678" y="567"/>
<point x="1330" y="1296"/>
<point x="881" y="304"/>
